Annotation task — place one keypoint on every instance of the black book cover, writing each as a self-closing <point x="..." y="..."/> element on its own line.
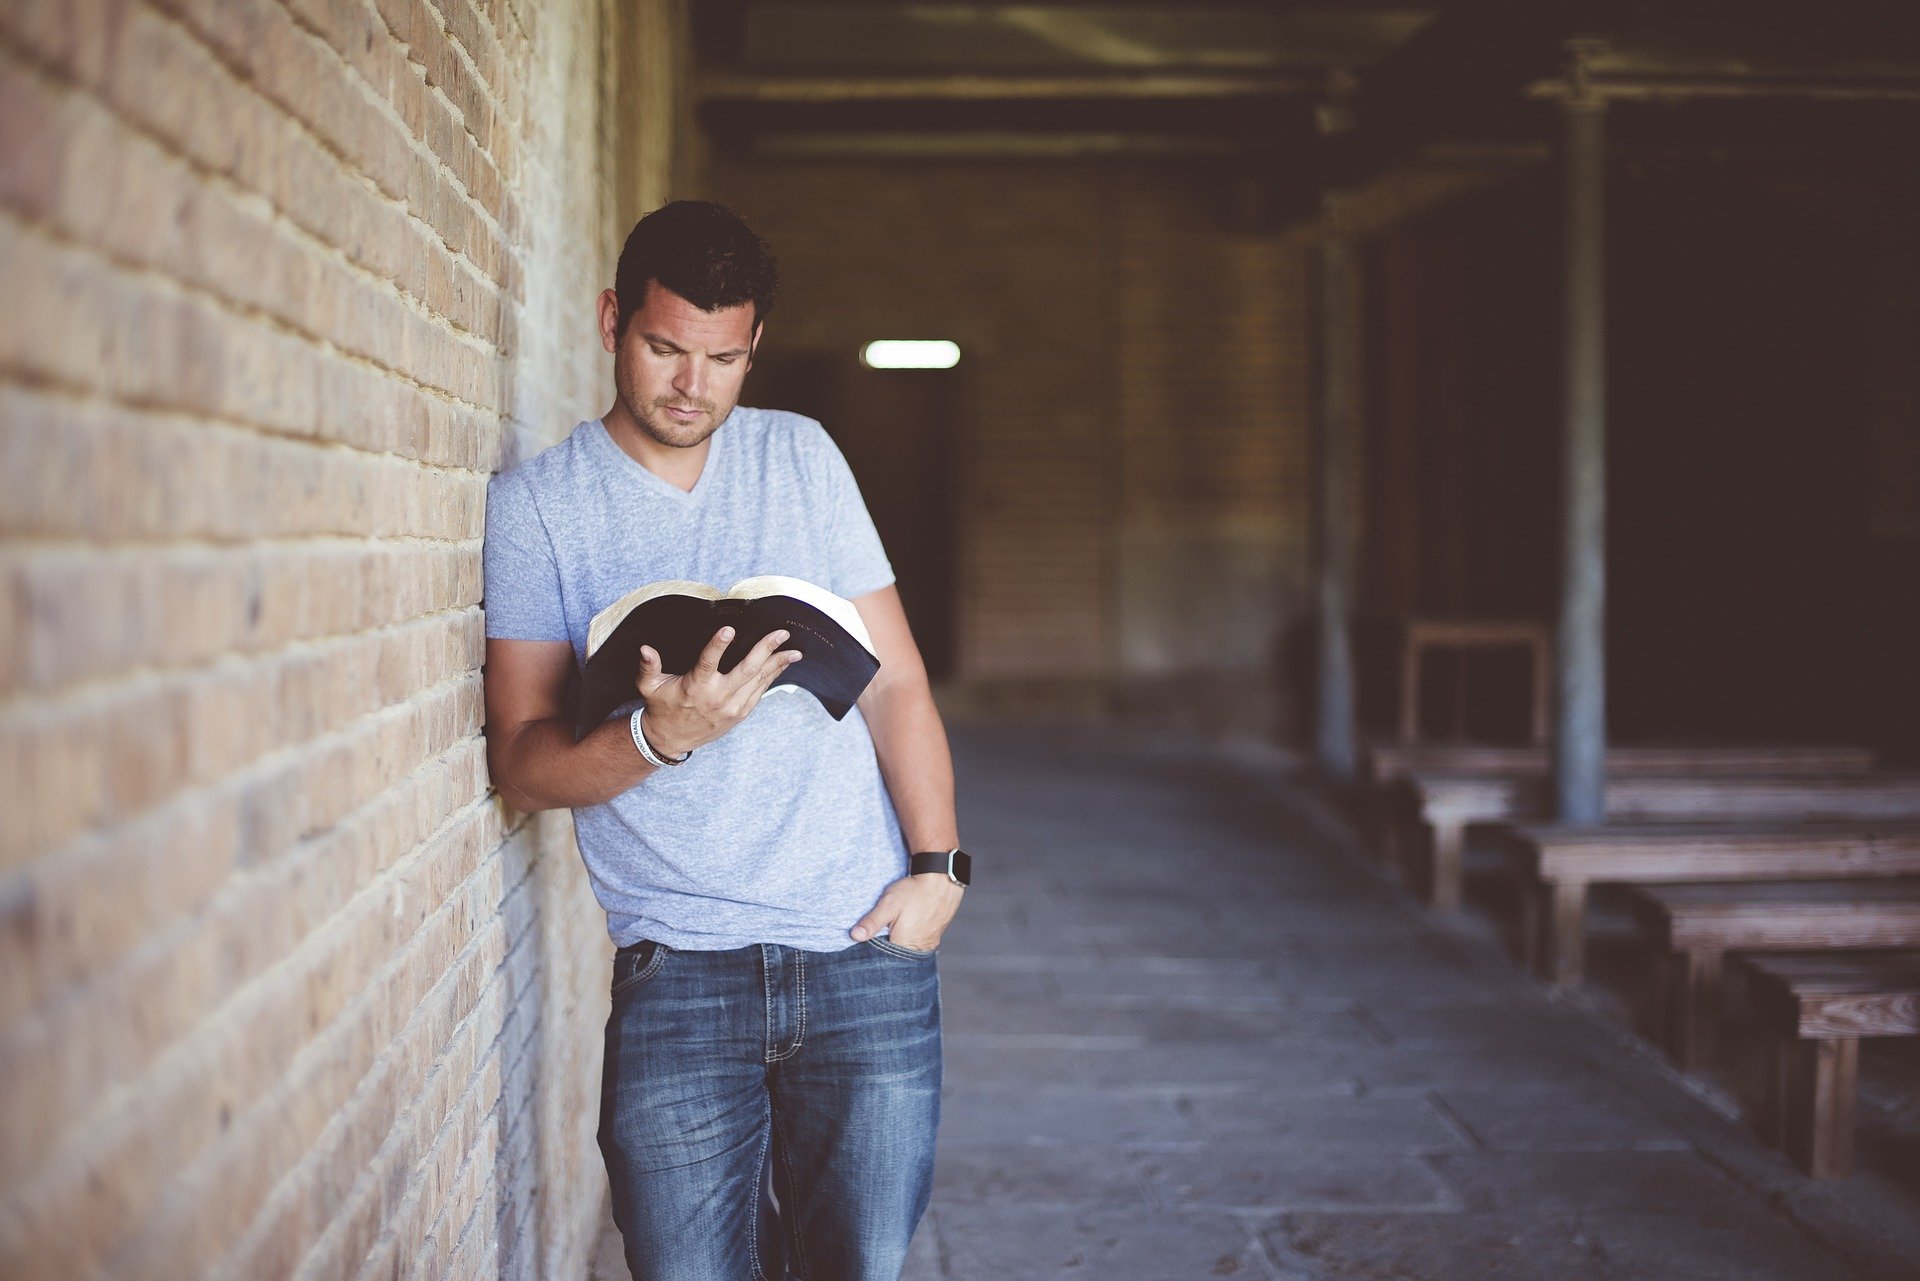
<point x="678" y="618"/>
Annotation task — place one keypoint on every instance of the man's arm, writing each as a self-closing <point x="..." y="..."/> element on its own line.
<point x="917" y="765"/>
<point x="531" y="754"/>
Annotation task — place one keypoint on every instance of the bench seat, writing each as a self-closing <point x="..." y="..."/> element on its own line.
<point x="1384" y="762"/>
<point x="1558" y="862"/>
<point x="1815" y="1007"/>
<point x="1429" y="814"/>
<point x="1694" y="927"/>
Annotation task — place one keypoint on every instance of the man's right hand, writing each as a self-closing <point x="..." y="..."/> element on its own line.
<point x="698" y="706"/>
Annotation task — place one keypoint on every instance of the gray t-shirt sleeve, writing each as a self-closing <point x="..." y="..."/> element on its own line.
<point x="522" y="590"/>
<point x="860" y="563"/>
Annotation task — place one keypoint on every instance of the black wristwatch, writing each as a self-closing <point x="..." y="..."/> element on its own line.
<point x="955" y="863"/>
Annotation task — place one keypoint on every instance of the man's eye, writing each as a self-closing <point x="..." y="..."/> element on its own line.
<point x="724" y="360"/>
<point x="659" y="352"/>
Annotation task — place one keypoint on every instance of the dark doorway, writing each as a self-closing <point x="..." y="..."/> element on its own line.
<point x="897" y="428"/>
<point x="1738" y="472"/>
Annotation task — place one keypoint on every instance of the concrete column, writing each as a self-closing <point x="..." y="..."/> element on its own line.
<point x="1580" y="731"/>
<point x="1336" y="738"/>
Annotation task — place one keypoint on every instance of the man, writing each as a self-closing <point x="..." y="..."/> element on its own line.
<point x="776" y="1010"/>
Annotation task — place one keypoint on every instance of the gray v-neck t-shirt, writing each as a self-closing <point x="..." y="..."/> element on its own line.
<point x="782" y="829"/>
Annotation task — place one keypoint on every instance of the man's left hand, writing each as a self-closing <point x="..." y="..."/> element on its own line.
<point x="914" y="911"/>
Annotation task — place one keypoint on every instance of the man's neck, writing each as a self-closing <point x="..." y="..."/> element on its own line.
<point x="681" y="468"/>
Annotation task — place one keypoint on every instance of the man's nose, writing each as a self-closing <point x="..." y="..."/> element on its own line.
<point x="690" y="379"/>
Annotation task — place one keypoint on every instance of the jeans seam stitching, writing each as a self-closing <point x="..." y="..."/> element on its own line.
<point x="645" y="971"/>
<point x="800" y="985"/>
<point x="803" y="1271"/>
<point x="888" y="945"/>
<point x="753" y="1212"/>
<point x="766" y="983"/>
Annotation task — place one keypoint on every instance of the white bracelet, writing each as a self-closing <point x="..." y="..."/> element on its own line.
<point x="646" y="749"/>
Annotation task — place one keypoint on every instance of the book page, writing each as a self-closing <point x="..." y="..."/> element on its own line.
<point x="607" y="620"/>
<point x="838" y="608"/>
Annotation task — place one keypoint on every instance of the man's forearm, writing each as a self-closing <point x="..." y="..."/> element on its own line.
<point x="917" y="764"/>
<point x="542" y="768"/>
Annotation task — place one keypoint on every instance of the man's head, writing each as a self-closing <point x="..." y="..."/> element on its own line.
<point x="692" y="288"/>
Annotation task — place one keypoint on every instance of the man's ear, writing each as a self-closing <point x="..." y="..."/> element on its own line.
<point x="753" y="344"/>
<point x="609" y="305"/>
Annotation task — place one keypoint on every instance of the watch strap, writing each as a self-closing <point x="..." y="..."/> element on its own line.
<point x="955" y="864"/>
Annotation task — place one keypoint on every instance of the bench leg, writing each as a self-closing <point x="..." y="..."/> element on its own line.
<point x="1556" y="922"/>
<point x="1688" y="1007"/>
<point x="1533" y="927"/>
<point x="1445" y="867"/>
<point x="1816" y="1083"/>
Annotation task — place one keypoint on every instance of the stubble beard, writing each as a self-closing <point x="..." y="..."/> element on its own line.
<point x="652" y="418"/>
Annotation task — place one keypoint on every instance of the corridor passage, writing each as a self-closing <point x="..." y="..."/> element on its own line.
<point x="1189" y="1034"/>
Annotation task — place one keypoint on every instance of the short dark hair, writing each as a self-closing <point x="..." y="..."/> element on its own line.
<point x="701" y="250"/>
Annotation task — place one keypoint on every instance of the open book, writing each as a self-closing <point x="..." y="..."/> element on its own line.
<point x="677" y="618"/>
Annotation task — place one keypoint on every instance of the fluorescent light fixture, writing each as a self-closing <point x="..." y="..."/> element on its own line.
<point x="910" y="353"/>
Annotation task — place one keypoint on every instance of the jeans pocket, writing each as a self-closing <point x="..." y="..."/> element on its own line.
<point x="886" y="944"/>
<point x="636" y="963"/>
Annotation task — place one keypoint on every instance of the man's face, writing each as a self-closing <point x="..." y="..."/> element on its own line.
<point x="678" y="369"/>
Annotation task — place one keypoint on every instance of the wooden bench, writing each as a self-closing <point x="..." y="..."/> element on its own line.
<point x="1816" y="1007"/>
<point x="1383" y="763"/>
<point x="1428" y="814"/>
<point x="1558" y="863"/>
<point x="1695" y="926"/>
<point x="1423" y="634"/>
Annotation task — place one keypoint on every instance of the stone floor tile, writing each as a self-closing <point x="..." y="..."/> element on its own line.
<point x="1407" y="1124"/>
<point x="1489" y="1022"/>
<point x="1589" y="1182"/>
<point x="1563" y="1118"/>
<point x="1010" y="1015"/>
<point x="1088" y="1119"/>
<point x="1439" y="1247"/>
<point x="1036" y="1177"/>
<point x="1017" y="1243"/>
<point x="1700" y="1243"/>
<point x="985" y="1059"/>
<point x="1278" y="1065"/>
<point x="1467" y="1064"/>
<point x="1265" y="1179"/>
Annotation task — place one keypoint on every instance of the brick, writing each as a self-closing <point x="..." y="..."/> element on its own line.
<point x="149" y="345"/>
<point x="155" y="74"/>
<point x="451" y="1009"/>
<point x="61" y="933"/>
<point x="88" y="771"/>
<point x="383" y="1127"/>
<point x="98" y="613"/>
<point x="274" y="299"/>
<point x="145" y="1144"/>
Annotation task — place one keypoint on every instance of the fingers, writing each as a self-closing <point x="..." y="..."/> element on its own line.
<point x="649" y="674"/>
<point x="709" y="661"/>
<point x="749" y="669"/>
<point x="759" y="656"/>
<point x="751" y="693"/>
<point x="880" y="918"/>
<point x="771" y="669"/>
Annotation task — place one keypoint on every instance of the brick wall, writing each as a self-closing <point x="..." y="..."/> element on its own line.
<point x="1132" y="472"/>
<point x="284" y="989"/>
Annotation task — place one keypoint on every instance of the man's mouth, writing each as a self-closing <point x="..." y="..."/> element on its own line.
<point x="684" y="414"/>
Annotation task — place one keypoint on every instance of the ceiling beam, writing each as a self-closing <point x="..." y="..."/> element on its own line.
<point x="983" y="144"/>
<point x="754" y="87"/>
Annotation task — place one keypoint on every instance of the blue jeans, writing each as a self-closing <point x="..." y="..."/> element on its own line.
<point x="813" y="1076"/>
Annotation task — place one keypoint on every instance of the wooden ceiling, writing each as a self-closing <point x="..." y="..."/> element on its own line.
<point x="1327" y="93"/>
